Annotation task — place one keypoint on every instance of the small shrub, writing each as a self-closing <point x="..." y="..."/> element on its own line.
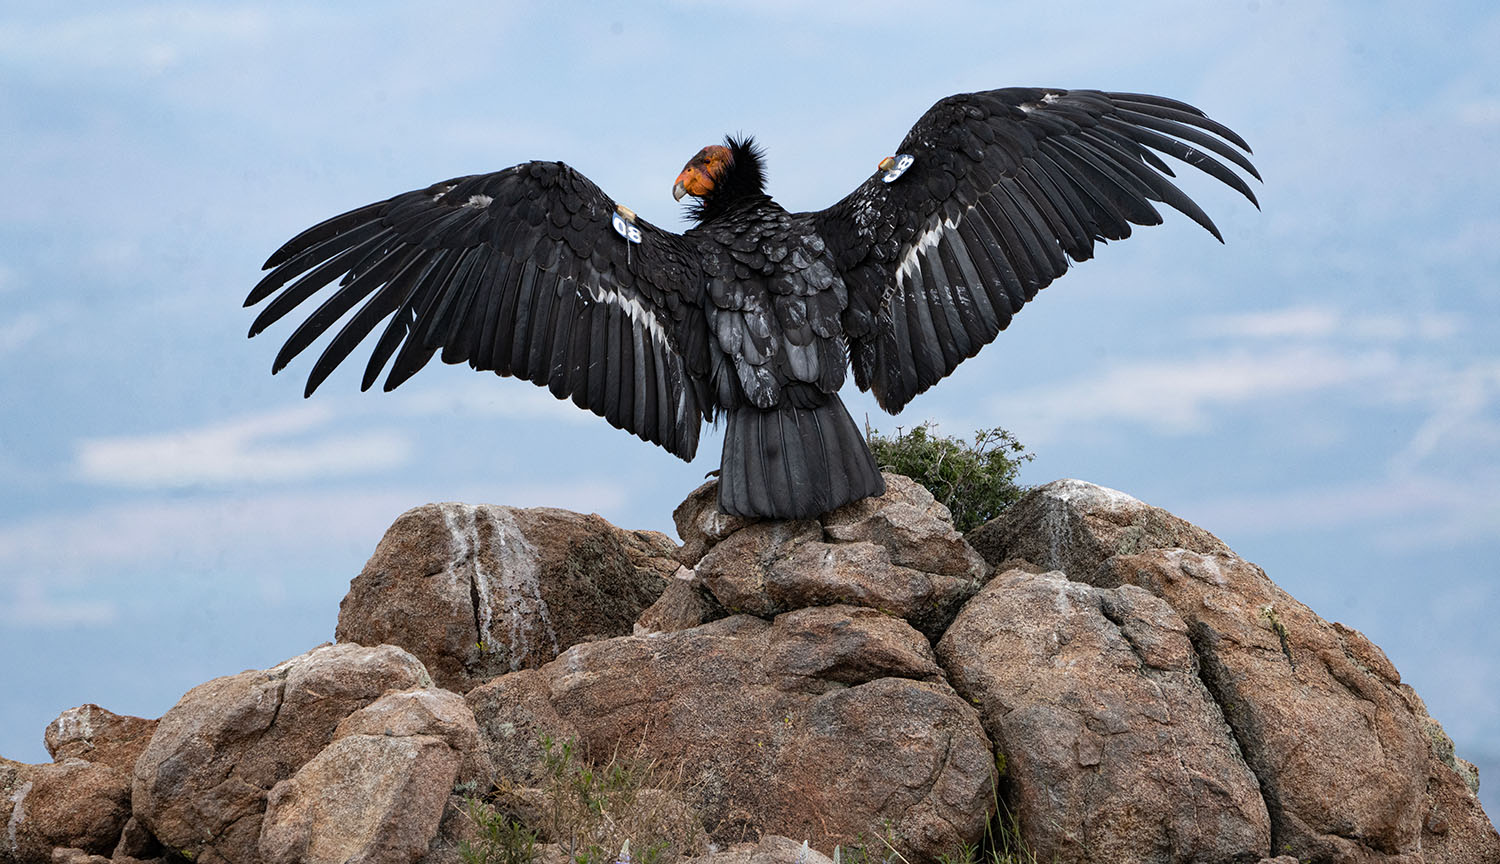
<point x="502" y="839"/>
<point x="591" y="811"/>
<point x="974" y="481"/>
<point x="1002" y="844"/>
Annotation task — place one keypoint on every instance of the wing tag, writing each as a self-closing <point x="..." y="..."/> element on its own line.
<point x="623" y="221"/>
<point x="899" y="163"/>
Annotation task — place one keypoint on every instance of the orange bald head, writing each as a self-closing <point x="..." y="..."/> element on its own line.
<point x="701" y="172"/>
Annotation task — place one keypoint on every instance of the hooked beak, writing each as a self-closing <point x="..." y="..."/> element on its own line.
<point x="697" y="179"/>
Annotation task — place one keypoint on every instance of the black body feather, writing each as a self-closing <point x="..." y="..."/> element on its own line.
<point x="754" y="313"/>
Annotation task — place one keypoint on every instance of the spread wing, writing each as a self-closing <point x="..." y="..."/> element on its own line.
<point x="521" y="272"/>
<point x="1002" y="189"/>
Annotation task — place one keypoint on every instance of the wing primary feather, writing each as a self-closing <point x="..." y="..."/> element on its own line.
<point x="962" y="286"/>
<point x="1198" y="159"/>
<point x="403" y="331"/>
<point x="599" y="361"/>
<point x="538" y="336"/>
<point x="1045" y="252"/>
<point x="466" y="332"/>
<point x="334" y="248"/>
<point x="483" y="350"/>
<point x="638" y="382"/>
<point x="309" y="284"/>
<point x="1015" y="263"/>
<point x="1064" y="225"/>
<point x="324" y="231"/>
<point x="1122" y="186"/>
<point x="614" y="362"/>
<point x="335" y="306"/>
<point x="381" y="303"/>
<point x="414" y="351"/>
<point x="973" y="232"/>
<point x="1165" y="191"/>
<point x="452" y="303"/>
<point x="1128" y="123"/>
<point x="953" y="339"/>
<point x="565" y="324"/>
<point x="424" y="226"/>
<point x="499" y="348"/>
<point x="440" y="232"/>
<point x="1097" y="221"/>
<point x="1103" y="186"/>
<point x="1171" y="109"/>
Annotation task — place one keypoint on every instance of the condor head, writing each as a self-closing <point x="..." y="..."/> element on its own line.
<point x="702" y="171"/>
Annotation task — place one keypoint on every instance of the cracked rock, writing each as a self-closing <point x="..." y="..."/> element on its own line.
<point x="200" y="786"/>
<point x="819" y="724"/>
<point x="1351" y="767"/>
<point x="65" y="804"/>
<point x="897" y="553"/>
<point x="1114" y="749"/>
<point x="377" y="793"/>
<point x="478" y="591"/>
<point x="1074" y="526"/>
<point x="1342" y="748"/>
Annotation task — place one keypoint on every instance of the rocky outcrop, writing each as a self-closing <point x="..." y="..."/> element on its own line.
<point x="822" y="723"/>
<point x="1350" y="766"/>
<point x="478" y="591"/>
<point x="1124" y="684"/>
<point x="80" y="801"/>
<point x="377" y="792"/>
<point x="1111" y="740"/>
<point x="97" y="735"/>
<point x="201" y="784"/>
<point x="66" y="804"/>
<point x="897" y="553"/>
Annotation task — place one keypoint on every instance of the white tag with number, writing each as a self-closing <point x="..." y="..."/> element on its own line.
<point x="625" y="229"/>
<point x="903" y="162"/>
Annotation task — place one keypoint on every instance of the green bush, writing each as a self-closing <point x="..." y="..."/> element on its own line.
<point x="974" y="481"/>
<point x="596" y="813"/>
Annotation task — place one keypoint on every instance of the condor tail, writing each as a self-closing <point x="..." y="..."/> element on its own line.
<point x="794" y="462"/>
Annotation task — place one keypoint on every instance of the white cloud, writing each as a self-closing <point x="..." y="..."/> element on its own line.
<point x="1483" y="113"/>
<point x="149" y="39"/>
<point x="1175" y="396"/>
<point x="30" y="607"/>
<point x="242" y="450"/>
<point x="1402" y="513"/>
<point x="238" y="532"/>
<point x="487" y="396"/>
<point x="1461" y="405"/>
<point x="1327" y="322"/>
<point x="14" y="334"/>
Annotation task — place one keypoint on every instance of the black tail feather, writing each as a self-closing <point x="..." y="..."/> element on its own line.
<point x="794" y="462"/>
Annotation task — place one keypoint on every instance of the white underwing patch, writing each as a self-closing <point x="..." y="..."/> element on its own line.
<point x="930" y="238"/>
<point x="639" y="315"/>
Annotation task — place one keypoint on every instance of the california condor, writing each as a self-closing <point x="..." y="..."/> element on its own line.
<point x="753" y="313"/>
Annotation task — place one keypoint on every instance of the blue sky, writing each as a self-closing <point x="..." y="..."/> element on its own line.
<point x="1323" y="391"/>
